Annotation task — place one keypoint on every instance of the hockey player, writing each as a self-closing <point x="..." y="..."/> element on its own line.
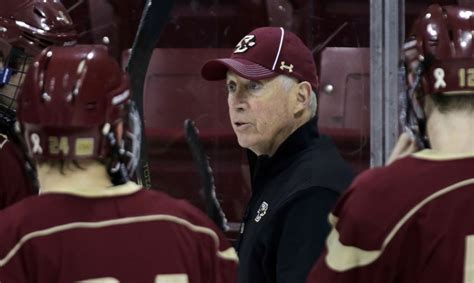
<point x="411" y="221"/>
<point x="90" y="223"/>
<point x="26" y="27"/>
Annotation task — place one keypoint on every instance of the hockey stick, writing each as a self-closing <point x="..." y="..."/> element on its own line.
<point x="154" y="17"/>
<point x="213" y="208"/>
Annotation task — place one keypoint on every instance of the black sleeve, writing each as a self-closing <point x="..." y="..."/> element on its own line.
<point x="304" y="227"/>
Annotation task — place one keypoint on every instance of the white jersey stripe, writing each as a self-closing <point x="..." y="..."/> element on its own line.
<point x="4" y="140"/>
<point x="228" y="254"/>
<point x="432" y="155"/>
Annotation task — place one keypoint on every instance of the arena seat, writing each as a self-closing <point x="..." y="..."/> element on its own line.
<point x="344" y="102"/>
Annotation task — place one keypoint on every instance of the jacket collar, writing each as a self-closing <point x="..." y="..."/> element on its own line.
<point x="297" y="142"/>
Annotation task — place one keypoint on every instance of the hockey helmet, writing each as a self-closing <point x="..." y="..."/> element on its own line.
<point x="71" y="105"/>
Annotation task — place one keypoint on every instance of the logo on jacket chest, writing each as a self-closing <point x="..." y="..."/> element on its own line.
<point x="262" y="210"/>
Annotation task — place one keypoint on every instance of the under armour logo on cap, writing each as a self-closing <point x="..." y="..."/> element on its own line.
<point x="245" y="43"/>
<point x="289" y="68"/>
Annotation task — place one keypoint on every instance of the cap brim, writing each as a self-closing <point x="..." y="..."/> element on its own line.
<point x="217" y="69"/>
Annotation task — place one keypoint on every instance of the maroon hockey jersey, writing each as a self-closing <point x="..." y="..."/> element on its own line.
<point x="412" y="221"/>
<point x="121" y="234"/>
<point x="14" y="182"/>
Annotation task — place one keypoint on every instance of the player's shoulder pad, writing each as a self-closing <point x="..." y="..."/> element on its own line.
<point x="373" y="202"/>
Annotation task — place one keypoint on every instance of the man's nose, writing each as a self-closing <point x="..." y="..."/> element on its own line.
<point x="237" y="102"/>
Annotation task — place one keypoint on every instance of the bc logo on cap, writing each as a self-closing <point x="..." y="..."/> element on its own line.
<point x="245" y="43"/>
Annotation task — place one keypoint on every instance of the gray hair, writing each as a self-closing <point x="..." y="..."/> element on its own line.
<point x="288" y="83"/>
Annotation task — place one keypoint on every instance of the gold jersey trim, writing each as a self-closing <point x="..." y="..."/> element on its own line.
<point x="430" y="154"/>
<point x="458" y="92"/>
<point x="99" y="280"/>
<point x="3" y="140"/>
<point x="342" y="257"/>
<point x="113" y="191"/>
<point x="228" y="254"/>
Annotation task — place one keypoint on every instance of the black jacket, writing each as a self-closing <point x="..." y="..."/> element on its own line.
<point x="285" y="224"/>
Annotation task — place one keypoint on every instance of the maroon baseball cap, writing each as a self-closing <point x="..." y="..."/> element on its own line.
<point x="265" y="53"/>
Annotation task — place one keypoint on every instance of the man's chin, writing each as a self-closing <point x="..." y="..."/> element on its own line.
<point x="247" y="144"/>
<point x="244" y="142"/>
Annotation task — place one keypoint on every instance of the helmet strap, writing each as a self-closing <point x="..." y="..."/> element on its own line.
<point x="116" y="167"/>
<point x="415" y="119"/>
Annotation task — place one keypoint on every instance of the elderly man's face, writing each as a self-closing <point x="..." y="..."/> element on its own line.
<point x="261" y="112"/>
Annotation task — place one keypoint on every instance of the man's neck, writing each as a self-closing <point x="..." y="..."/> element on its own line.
<point x="91" y="176"/>
<point x="451" y="133"/>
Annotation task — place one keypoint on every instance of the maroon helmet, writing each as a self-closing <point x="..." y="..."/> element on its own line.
<point x="439" y="58"/>
<point x="70" y="106"/>
<point x="32" y="25"/>
<point x="26" y="28"/>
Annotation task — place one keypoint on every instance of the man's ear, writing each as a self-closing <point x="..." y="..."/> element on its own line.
<point x="303" y="97"/>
